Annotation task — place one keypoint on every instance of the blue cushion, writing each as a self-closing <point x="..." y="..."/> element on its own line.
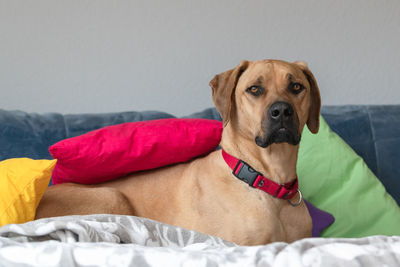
<point x="372" y="131"/>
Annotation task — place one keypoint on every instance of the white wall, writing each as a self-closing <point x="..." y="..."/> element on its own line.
<point x="76" y="56"/>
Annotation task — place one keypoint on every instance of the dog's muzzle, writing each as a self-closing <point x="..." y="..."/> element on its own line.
<point x="280" y="124"/>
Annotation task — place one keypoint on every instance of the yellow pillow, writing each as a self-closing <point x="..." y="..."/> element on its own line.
<point x="23" y="182"/>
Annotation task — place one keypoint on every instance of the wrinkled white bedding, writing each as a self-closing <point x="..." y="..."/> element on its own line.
<point x="115" y="240"/>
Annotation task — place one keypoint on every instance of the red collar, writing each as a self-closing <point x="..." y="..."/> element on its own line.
<point x="247" y="174"/>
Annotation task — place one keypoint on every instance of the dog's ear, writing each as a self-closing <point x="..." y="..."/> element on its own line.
<point x="315" y="106"/>
<point x="223" y="88"/>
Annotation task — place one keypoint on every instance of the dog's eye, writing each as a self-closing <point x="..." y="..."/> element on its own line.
<point x="255" y="90"/>
<point x="296" y="88"/>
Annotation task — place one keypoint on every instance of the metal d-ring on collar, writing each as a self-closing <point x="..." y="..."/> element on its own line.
<point x="298" y="202"/>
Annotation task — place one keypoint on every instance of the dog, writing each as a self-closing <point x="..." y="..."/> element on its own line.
<point x="264" y="106"/>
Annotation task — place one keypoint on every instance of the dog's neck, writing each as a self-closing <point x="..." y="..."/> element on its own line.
<point x="276" y="162"/>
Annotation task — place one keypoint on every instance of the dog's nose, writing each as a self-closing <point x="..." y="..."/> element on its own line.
<point x="281" y="111"/>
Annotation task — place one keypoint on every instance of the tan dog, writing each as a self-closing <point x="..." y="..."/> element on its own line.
<point x="264" y="106"/>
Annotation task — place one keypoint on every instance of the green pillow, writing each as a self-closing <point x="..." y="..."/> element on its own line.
<point x="335" y="179"/>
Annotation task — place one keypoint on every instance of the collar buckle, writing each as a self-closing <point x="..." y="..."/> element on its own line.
<point x="245" y="173"/>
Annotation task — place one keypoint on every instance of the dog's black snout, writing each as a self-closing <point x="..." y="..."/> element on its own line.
<point x="281" y="111"/>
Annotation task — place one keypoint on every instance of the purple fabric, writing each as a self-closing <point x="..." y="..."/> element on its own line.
<point x="320" y="219"/>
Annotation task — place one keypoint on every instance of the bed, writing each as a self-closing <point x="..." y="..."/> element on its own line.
<point x="366" y="231"/>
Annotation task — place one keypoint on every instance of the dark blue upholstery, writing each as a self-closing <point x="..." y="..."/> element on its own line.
<point x="372" y="131"/>
<point x="374" y="134"/>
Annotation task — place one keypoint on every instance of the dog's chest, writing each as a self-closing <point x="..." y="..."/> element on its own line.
<point x="267" y="222"/>
<point x="253" y="219"/>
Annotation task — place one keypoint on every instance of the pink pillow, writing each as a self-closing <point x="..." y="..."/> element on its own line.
<point x="117" y="150"/>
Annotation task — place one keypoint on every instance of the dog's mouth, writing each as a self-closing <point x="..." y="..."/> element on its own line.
<point x="278" y="135"/>
<point x="280" y="124"/>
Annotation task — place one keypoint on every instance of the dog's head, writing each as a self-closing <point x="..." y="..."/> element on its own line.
<point x="269" y="101"/>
